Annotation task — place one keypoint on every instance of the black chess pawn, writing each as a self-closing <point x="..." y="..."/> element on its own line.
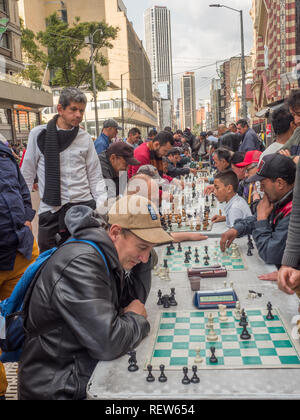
<point x="169" y="250"/>
<point x="187" y="259"/>
<point x="159" y="295"/>
<point x="150" y="377"/>
<point x="269" y="316"/>
<point x="172" y="247"/>
<point x="197" y="259"/>
<point x="172" y="299"/>
<point x="245" y="334"/>
<point x="165" y="264"/>
<point x="166" y="301"/>
<point x="162" y="376"/>
<point x="196" y="252"/>
<point x="195" y="378"/>
<point x="179" y="249"/>
<point x="249" y="252"/>
<point x="133" y="367"/>
<point x="206" y="261"/>
<point x="250" y="242"/>
<point x="186" y="380"/>
<point x="213" y="358"/>
<point x="243" y="314"/>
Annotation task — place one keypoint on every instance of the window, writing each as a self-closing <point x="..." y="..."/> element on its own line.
<point x="4" y="116"/>
<point x="4" y="43"/>
<point x="3" y="5"/>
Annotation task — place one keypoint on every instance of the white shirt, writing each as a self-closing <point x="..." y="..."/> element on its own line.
<point x="273" y="148"/>
<point x="80" y="170"/>
<point x="236" y="208"/>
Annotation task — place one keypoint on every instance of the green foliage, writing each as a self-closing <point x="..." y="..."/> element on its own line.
<point x="65" y="45"/>
<point x="36" y="60"/>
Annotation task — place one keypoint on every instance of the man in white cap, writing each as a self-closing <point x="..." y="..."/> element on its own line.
<point x="85" y="306"/>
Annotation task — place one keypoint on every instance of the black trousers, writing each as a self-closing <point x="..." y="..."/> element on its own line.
<point x="52" y="229"/>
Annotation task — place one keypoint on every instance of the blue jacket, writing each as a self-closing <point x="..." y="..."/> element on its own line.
<point x="250" y="141"/>
<point x="15" y="210"/>
<point x="102" y="143"/>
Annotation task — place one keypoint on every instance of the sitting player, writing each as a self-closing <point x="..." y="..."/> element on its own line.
<point x="269" y="226"/>
<point x="250" y="167"/>
<point x="84" y="308"/>
<point x="226" y="185"/>
<point x="173" y="158"/>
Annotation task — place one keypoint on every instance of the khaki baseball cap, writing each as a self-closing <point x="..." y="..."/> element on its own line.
<point x="140" y="216"/>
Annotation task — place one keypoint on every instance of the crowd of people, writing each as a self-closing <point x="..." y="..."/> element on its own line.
<point x="87" y="306"/>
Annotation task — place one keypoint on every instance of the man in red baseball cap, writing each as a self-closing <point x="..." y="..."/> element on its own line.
<point x="250" y="164"/>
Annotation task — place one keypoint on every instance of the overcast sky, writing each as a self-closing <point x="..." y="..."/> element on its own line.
<point x="200" y="35"/>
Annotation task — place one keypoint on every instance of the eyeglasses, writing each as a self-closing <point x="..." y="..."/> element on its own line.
<point x="250" y="168"/>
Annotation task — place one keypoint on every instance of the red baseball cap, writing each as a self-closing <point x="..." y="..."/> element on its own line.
<point x="250" y="157"/>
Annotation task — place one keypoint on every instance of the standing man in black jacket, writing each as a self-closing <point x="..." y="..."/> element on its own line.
<point x="84" y="309"/>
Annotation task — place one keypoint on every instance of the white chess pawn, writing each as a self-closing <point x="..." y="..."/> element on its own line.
<point x="237" y="311"/>
<point x="223" y="314"/>
<point x="212" y="336"/>
<point x="198" y="358"/>
<point x="210" y="322"/>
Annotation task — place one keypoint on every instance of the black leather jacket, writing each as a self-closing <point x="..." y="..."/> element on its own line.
<point x="75" y="314"/>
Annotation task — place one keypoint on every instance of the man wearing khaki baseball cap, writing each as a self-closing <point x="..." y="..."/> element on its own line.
<point x="139" y="216"/>
<point x="99" y="297"/>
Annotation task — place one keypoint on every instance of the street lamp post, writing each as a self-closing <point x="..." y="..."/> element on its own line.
<point x="244" y="101"/>
<point x="90" y="40"/>
<point x="122" y="105"/>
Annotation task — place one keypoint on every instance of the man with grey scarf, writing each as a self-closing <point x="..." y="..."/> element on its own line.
<point x="63" y="157"/>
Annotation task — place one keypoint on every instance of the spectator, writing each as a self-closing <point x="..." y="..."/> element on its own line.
<point x="133" y="138"/>
<point x="250" y="140"/>
<point x="151" y="135"/>
<point x="292" y="146"/>
<point x="63" y="157"/>
<point x="109" y="132"/>
<point x="283" y="126"/>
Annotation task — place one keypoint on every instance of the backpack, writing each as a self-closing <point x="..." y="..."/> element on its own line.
<point x="13" y="310"/>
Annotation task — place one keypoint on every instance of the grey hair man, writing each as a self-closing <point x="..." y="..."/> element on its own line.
<point x="63" y="158"/>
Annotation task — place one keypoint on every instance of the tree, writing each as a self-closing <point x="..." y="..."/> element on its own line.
<point x="65" y="45"/>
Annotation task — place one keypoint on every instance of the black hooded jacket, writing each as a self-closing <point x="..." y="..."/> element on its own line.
<point x="75" y="314"/>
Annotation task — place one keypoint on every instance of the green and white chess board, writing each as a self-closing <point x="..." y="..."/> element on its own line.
<point x="216" y="256"/>
<point x="179" y="335"/>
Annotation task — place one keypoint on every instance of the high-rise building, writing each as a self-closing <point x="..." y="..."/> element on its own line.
<point x="188" y="94"/>
<point x="128" y="73"/>
<point x="158" y="44"/>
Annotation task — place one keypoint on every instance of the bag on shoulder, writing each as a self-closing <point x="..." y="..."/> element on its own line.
<point x="14" y="309"/>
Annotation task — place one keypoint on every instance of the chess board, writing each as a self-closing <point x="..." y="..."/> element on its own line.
<point x="179" y="334"/>
<point x="176" y="260"/>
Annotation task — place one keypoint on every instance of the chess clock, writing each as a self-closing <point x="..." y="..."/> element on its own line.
<point x="210" y="299"/>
